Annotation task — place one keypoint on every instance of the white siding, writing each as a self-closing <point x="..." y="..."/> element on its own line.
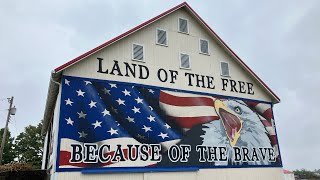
<point x="203" y="174"/>
<point x="157" y="56"/>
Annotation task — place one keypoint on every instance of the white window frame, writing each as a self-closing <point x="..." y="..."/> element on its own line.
<point x="200" y="46"/>
<point x="228" y="69"/>
<point x="132" y="53"/>
<point x="166" y="45"/>
<point x="189" y="68"/>
<point x="179" y="25"/>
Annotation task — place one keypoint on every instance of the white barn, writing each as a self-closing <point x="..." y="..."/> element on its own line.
<point x="166" y="99"/>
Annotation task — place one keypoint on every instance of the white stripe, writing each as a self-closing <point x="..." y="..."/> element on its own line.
<point x="271" y="130"/>
<point x="262" y="107"/>
<point x="168" y="144"/>
<point x="65" y="143"/>
<point x="180" y="94"/>
<point x="188" y="111"/>
<point x="65" y="146"/>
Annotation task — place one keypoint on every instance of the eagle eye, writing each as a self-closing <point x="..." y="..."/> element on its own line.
<point x="237" y="109"/>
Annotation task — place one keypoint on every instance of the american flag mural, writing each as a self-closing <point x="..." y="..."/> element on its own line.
<point x="117" y="113"/>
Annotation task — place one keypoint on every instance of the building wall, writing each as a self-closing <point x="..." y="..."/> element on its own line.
<point x="203" y="174"/>
<point x="157" y="57"/>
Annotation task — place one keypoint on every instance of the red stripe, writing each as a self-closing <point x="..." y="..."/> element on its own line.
<point x="267" y="114"/>
<point x="189" y="122"/>
<point x="273" y="139"/>
<point x="252" y="104"/>
<point x="185" y="101"/>
<point x="65" y="157"/>
<point x="266" y="123"/>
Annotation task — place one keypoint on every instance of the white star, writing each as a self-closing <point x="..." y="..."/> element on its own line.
<point x="66" y="82"/>
<point x="151" y="91"/>
<point x="167" y="126"/>
<point x="106" y="112"/>
<point x="92" y="104"/>
<point x="146" y="128"/>
<point x="139" y="100"/>
<point x="114" y="110"/>
<point x="69" y="121"/>
<point x="130" y="119"/>
<point x="163" y="135"/>
<point x="151" y="108"/>
<point x="106" y="91"/>
<point x="120" y="101"/>
<point x="151" y="118"/>
<point x="113" y="85"/>
<point x="113" y="131"/>
<point x="80" y="93"/>
<point x="126" y="92"/>
<point x="140" y="136"/>
<point x="135" y="110"/>
<point x="82" y="115"/>
<point x="68" y="102"/>
<point x="82" y="134"/>
<point x="97" y="124"/>
<point x="88" y="82"/>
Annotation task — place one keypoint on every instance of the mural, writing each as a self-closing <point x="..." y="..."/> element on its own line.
<point x="107" y="124"/>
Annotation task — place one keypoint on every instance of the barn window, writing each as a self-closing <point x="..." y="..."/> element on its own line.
<point x="204" y="46"/>
<point x="224" y="67"/>
<point x="185" y="61"/>
<point x="183" y="26"/>
<point x="137" y="52"/>
<point x="162" y="37"/>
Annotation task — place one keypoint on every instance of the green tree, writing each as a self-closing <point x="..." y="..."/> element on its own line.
<point x="305" y="174"/>
<point x="29" y="145"/>
<point x="8" y="150"/>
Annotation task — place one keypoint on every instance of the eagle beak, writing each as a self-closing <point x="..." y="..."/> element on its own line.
<point x="231" y="122"/>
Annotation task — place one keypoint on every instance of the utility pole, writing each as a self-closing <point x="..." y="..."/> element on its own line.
<point x="10" y="112"/>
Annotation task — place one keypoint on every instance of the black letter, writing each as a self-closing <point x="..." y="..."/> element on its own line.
<point x="189" y="75"/>
<point x="223" y="154"/>
<point x="210" y="82"/>
<point x="90" y="153"/>
<point x="141" y="74"/>
<point x="241" y="85"/>
<point x="174" y="153"/>
<point x="202" y="149"/>
<point x="102" y="158"/>
<point x="185" y="152"/>
<point x="116" y="67"/>
<point x="200" y="80"/>
<point x="100" y="66"/>
<point x="165" y="75"/>
<point x="250" y="88"/>
<point x="132" y="71"/>
<point x="118" y="155"/>
<point x="155" y="152"/>
<point x="224" y="83"/>
<point x="233" y="85"/>
<point x="173" y="75"/>
<point x="76" y="153"/>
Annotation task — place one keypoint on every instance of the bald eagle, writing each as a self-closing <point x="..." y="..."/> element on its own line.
<point x="238" y="126"/>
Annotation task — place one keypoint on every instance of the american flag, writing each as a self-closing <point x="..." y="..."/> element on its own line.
<point x="106" y="112"/>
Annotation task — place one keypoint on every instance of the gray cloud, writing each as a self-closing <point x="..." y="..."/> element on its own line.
<point x="279" y="40"/>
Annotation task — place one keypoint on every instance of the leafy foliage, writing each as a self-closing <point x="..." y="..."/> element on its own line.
<point x="29" y="144"/>
<point x="305" y="174"/>
<point x="8" y="150"/>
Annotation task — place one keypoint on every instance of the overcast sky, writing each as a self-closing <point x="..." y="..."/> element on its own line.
<point x="279" y="40"/>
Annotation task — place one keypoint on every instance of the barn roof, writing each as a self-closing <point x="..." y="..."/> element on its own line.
<point x="53" y="89"/>
<point x="197" y="17"/>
